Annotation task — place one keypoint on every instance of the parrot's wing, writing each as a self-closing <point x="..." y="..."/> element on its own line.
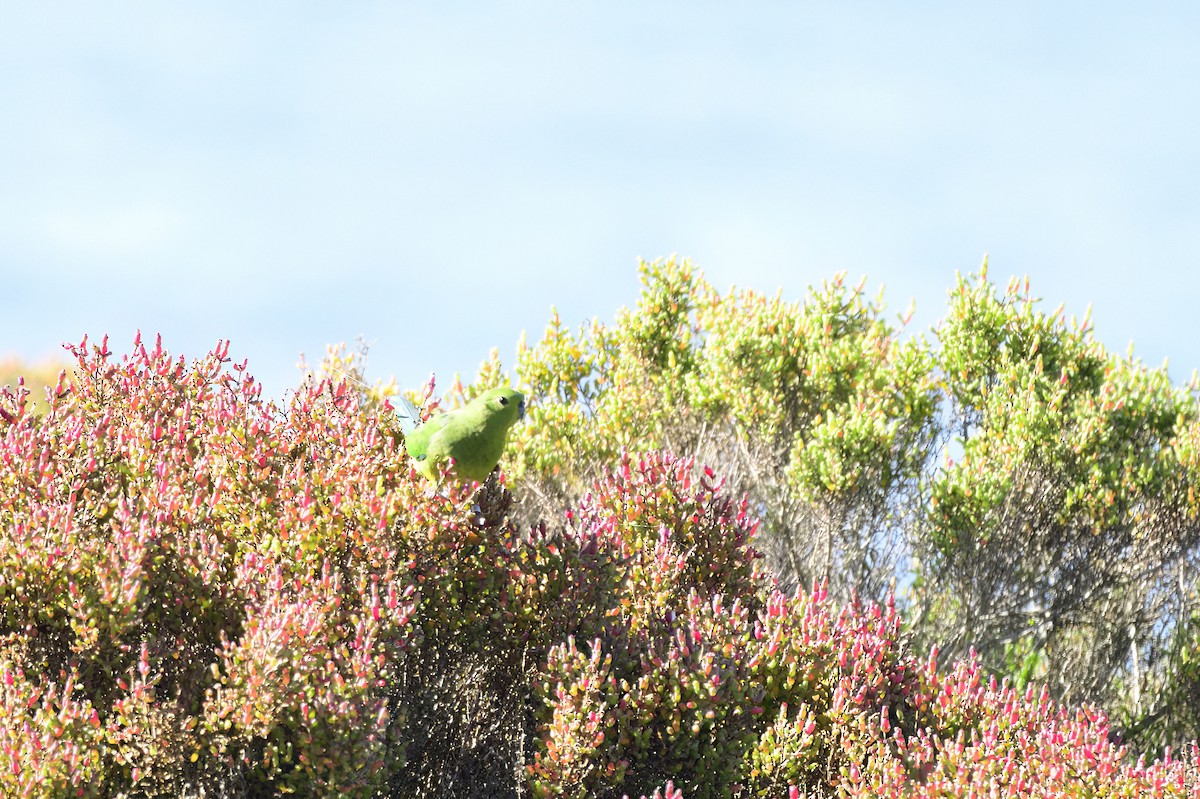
<point x="416" y="443"/>
<point x="460" y="440"/>
<point x="407" y="414"/>
<point x="473" y="438"/>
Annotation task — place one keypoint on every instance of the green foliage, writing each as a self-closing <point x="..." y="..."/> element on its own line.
<point x="814" y="409"/>
<point x="825" y="382"/>
<point x="206" y="593"/>
<point x="1063" y="522"/>
<point x="1067" y="502"/>
<point x="1031" y="392"/>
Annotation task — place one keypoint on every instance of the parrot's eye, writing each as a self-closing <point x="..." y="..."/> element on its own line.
<point x="503" y="400"/>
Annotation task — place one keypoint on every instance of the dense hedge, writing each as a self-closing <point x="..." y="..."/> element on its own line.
<point x="203" y="593"/>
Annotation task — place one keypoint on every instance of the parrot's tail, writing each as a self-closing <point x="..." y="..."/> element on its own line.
<point x="406" y="413"/>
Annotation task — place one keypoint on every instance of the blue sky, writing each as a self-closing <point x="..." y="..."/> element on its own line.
<point x="435" y="176"/>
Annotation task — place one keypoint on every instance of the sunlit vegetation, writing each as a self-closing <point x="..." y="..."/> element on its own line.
<point x="743" y="546"/>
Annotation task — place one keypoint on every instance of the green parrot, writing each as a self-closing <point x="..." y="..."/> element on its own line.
<point x="474" y="435"/>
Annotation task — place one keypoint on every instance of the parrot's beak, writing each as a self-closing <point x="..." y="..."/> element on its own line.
<point x="520" y="410"/>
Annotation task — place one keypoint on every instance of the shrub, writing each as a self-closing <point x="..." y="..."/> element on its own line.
<point x="1059" y="539"/>
<point x="204" y="593"/>
<point x="1033" y="496"/>
<point x="38" y="378"/>
<point x="198" y="588"/>
<point x="815" y="409"/>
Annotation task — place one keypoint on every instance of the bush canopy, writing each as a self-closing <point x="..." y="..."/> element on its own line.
<point x="742" y="547"/>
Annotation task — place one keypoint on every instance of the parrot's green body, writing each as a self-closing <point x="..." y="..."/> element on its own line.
<point x="474" y="436"/>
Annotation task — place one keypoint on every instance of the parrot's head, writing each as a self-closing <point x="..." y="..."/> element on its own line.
<point x="505" y="403"/>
